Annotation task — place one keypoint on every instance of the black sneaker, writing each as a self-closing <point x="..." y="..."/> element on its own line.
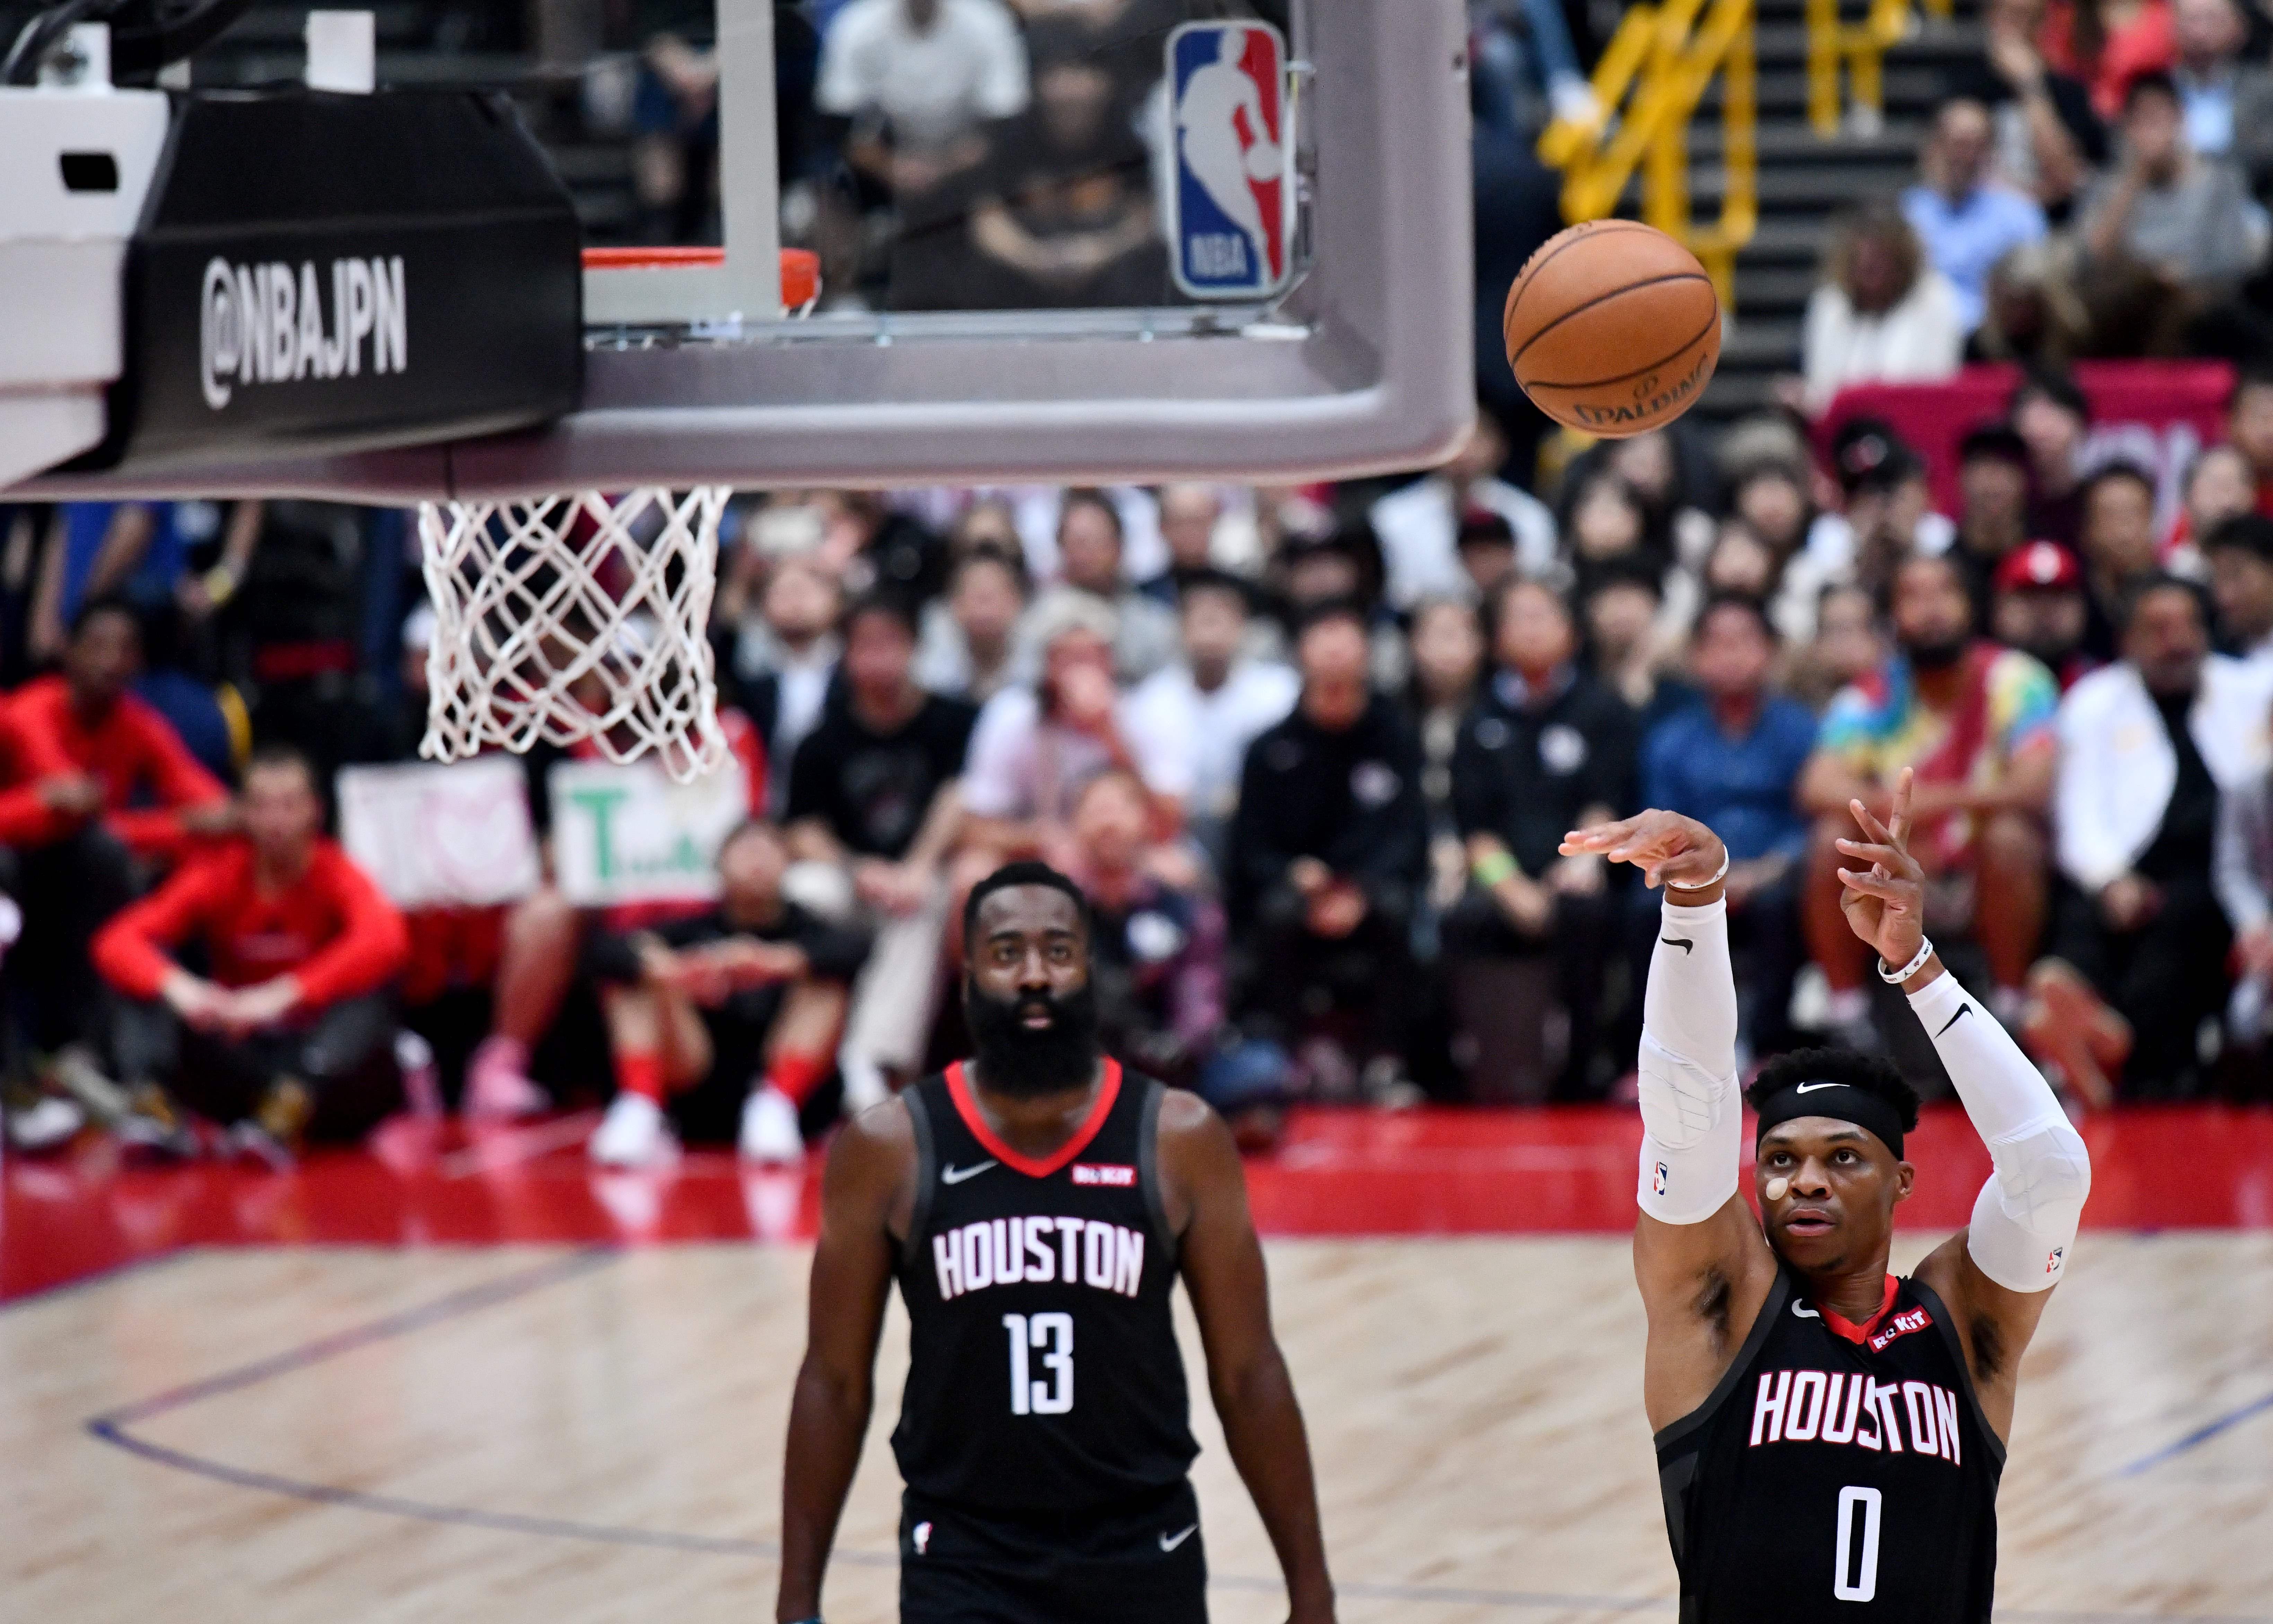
<point x="153" y="1126"/>
<point x="272" y="1134"/>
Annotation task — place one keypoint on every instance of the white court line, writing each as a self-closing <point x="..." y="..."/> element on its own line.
<point x="503" y="1148"/>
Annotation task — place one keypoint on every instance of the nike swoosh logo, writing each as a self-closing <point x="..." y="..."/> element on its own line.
<point x="1676" y="941"/>
<point x="957" y="1175"/>
<point x="1800" y="1311"/>
<point x="1169" y="1542"/>
<point x="1963" y="1010"/>
<point x="1809" y="1087"/>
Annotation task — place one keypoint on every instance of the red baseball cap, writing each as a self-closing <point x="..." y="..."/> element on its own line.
<point x="2045" y="565"/>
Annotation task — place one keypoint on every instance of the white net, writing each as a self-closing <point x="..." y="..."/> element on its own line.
<point x="578" y="617"/>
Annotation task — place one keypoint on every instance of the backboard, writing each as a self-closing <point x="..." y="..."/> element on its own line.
<point x="1352" y="354"/>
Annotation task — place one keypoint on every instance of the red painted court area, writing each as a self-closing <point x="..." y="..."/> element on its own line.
<point x="1424" y="1172"/>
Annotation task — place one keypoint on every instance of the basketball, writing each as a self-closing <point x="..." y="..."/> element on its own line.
<point x="1612" y="329"/>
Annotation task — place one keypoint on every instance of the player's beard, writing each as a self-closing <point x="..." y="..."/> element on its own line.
<point x="1025" y="1061"/>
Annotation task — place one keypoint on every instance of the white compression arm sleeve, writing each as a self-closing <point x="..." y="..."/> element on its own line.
<point x="2024" y="1221"/>
<point x="1692" y="1125"/>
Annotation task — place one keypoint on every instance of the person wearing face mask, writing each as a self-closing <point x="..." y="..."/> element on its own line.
<point x="1974" y="721"/>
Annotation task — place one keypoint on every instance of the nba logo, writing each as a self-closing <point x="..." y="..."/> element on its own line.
<point x="2052" y="1263"/>
<point x="920" y="1536"/>
<point x="1657" y="1179"/>
<point x="1229" y="200"/>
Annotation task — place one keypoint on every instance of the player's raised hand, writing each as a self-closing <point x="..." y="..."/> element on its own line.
<point x="1885" y="899"/>
<point x="1668" y="848"/>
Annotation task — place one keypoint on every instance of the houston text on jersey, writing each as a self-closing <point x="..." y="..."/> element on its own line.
<point x="1841" y="1407"/>
<point x="1037" y="1251"/>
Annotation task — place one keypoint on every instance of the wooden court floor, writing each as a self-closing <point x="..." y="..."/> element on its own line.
<point x="547" y="1435"/>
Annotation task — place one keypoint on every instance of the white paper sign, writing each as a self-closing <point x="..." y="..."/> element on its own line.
<point x="436" y="837"/>
<point x="629" y="834"/>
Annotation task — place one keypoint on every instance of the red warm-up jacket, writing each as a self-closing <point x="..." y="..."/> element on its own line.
<point x="332" y="928"/>
<point x="25" y="819"/>
<point x="133" y="752"/>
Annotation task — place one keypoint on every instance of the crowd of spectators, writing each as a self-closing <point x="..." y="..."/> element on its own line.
<point x="2094" y="185"/>
<point x="1311" y="751"/>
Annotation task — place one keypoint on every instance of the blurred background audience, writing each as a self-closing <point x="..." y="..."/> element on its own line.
<point x="1308" y="750"/>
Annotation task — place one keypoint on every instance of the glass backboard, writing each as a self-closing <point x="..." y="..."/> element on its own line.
<point x="1108" y="240"/>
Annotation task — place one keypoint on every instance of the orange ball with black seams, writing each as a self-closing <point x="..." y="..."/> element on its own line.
<point x="1613" y="328"/>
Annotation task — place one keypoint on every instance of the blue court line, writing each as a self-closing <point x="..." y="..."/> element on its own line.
<point x="2202" y="1434"/>
<point x="110" y="1427"/>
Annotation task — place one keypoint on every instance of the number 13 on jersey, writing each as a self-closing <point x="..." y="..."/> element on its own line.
<point x="1052" y="1334"/>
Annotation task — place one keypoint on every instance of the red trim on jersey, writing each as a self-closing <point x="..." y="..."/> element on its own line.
<point x="1854" y="1333"/>
<point x="959" y="1089"/>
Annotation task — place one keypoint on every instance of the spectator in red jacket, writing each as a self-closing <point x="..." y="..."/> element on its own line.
<point x="288" y="1035"/>
<point x="91" y="776"/>
<point x="154" y="794"/>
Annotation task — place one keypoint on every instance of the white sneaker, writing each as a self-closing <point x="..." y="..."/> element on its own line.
<point x="769" y="1130"/>
<point x="633" y="1134"/>
<point x="50" y="1123"/>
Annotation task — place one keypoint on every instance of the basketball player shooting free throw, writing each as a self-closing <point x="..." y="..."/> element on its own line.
<point x="1037" y="1205"/>
<point x="1825" y="1432"/>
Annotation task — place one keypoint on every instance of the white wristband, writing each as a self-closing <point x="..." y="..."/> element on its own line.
<point x="1718" y="875"/>
<point x="1895" y="977"/>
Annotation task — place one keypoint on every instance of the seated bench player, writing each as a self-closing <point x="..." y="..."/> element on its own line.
<point x="730" y="1015"/>
<point x="289" y="1033"/>
<point x="99" y="789"/>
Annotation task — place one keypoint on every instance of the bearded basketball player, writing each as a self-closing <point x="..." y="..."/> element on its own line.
<point x="1829" y="1438"/>
<point x="1037" y="1205"/>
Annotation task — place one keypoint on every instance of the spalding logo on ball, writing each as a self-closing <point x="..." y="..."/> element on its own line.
<point x="1613" y="328"/>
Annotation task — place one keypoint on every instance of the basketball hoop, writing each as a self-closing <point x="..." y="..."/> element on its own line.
<point x="574" y="619"/>
<point x="583" y="618"/>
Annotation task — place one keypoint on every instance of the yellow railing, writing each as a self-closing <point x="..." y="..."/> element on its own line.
<point x="1647" y="85"/>
<point x="1861" y="47"/>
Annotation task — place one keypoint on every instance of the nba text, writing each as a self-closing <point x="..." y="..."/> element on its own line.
<point x="1037" y="1251"/>
<point x="264" y="324"/>
<point x="1814" y="1406"/>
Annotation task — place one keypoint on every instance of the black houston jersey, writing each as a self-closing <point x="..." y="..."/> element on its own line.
<point x="1838" y="1471"/>
<point x="1043" y="1371"/>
